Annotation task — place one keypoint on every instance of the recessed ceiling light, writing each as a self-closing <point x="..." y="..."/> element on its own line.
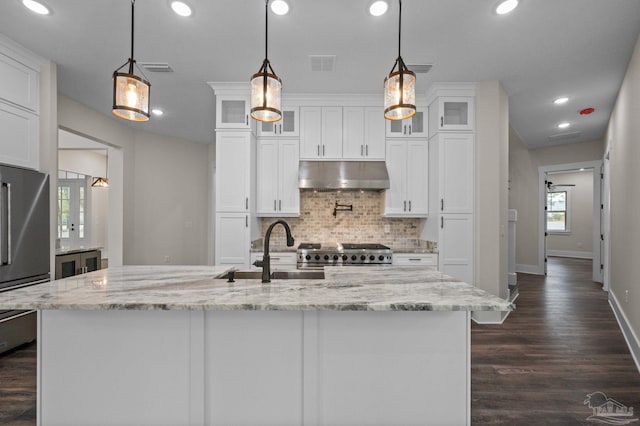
<point x="36" y="7"/>
<point x="560" y="101"/>
<point x="506" y="6"/>
<point x="563" y="125"/>
<point x="378" y="8"/>
<point x="280" y="7"/>
<point x="157" y="112"/>
<point x="181" y="8"/>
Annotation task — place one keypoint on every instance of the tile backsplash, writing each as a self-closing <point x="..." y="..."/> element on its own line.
<point x="362" y="225"/>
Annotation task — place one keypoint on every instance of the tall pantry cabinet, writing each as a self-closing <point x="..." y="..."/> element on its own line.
<point x="236" y="224"/>
<point x="451" y="177"/>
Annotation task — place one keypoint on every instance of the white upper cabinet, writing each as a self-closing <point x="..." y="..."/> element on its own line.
<point x="277" y="183"/>
<point x="288" y="126"/>
<point x="452" y="113"/>
<point x="19" y="83"/>
<point x="321" y="133"/>
<point x="407" y="164"/>
<point x="233" y="111"/>
<point x="363" y="133"/>
<point x="412" y="127"/>
<point x="19" y="144"/>
<point x="453" y="154"/>
<point x="233" y="171"/>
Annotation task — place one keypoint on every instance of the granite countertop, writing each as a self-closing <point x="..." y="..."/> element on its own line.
<point x="419" y="250"/>
<point x="165" y="287"/>
<point x="70" y="250"/>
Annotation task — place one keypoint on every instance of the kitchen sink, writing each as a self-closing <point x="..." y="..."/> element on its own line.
<point x="277" y="275"/>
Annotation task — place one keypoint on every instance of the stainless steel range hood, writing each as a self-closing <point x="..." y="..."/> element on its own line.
<point x="343" y="175"/>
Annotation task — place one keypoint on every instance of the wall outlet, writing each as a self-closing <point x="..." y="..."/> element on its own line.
<point x="167" y="259"/>
<point x="626" y="296"/>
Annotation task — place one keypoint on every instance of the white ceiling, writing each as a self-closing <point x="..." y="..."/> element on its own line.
<point x="544" y="49"/>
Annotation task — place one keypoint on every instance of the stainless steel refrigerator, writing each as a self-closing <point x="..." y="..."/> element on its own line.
<point x="24" y="246"/>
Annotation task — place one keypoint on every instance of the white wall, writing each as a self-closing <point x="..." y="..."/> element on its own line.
<point x="523" y="192"/>
<point x="164" y="189"/>
<point x="579" y="241"/>
<point x="623" y="144"/>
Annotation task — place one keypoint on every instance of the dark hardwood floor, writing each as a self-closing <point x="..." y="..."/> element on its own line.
<point x="560" y="344"/>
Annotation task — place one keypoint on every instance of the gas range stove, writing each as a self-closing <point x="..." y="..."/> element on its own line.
<point x="315" y="255"/>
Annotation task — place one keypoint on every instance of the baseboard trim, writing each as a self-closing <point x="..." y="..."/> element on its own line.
<point x="570" y="253"/>
<point x="529" y="269"/>
<point x="629" y="336"/>
<point x="489" y="317"/>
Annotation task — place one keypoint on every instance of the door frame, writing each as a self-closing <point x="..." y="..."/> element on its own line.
<point x="597" y="274"/>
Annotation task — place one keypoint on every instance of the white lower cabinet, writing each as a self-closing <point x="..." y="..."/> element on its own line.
<point x="19" y="137"/>
<point x="232" y="239"/>
<point x="455" y="246"/>
<point x="277" y="183"/>
<point x="416" y="259"/>
<point x="407" y="164"/>
<point x="280" y="261"/>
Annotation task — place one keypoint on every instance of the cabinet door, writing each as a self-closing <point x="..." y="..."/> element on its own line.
<point x="417" y="178"/>
<point x="395" y="201"/>
<point x="310" y="133"/>
<point x="19" y="137"/>
<point x="455" y="114"/>
<point x="456" y="246"/>
<point x="232" y="240"/>
<point x="267" y="173"/>
<point x="91" y="260"/>
<point x="353" y="139"/>
<point x="288" y="126"/>
<point x="417" y="126"/>
<point x="288" y="187"/>
<point x="233" y="171"/>
<point x="416" y="259"/>
<point x="456" y="172"/>
<point x="232" y="112"/>
<point x="331" y="132"/>
<point x="374" y="133"/>
<point x="67" y="265"/>
<point x="19" y="83"/>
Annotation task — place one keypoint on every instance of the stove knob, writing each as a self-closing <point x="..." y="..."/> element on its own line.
<point x="381" y="257"/>
<point x="326" y="257"/>
<point x="354" y="257"/>
<point x="308" y="257"/>
<point x="372" y="257"/>
<point x="363" y="257"/>
<point x="335" y="257"/>
<point x="345" y="257"/>
<point x="317" y="257"/>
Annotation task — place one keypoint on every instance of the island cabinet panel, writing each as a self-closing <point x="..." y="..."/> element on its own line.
<point x="253" y="369"/>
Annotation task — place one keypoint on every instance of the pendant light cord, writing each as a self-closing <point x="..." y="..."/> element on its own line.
<point x="266" y="28"/>
<point x="131" y="60"/>
<point x="399" y="27"/>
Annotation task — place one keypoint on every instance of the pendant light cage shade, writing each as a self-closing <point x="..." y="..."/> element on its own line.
<point x="399" y="85"/>
<point x="266" y="95"/>
<point x="400" y="93"/>
<point x="131" y="92"/>
<point x="100" y="182"/>
<point x="130" y="96"/>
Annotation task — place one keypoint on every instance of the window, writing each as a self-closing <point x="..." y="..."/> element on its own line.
<point x="558" y="211"/>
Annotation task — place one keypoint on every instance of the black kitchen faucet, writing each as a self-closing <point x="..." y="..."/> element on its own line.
<point x="265" y="263"/>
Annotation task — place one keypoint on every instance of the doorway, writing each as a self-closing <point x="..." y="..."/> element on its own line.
<point x="562" y="191"/>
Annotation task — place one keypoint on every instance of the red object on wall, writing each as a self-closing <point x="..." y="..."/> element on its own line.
<point x="587" y="111"/>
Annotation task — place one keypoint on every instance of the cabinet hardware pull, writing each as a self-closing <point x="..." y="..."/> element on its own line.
<point x="323" y="150"/>
<point x="409" y="205"/>
<point x="410" y="129"/>
<point x="405" y="206"/>
<point x="405" y="129"/>
<point x="279" y="205"/>
<point x="246" y="203"/>
<point x="441" y="204"/>
<point x="441" y="121"/>
<point x="246" y="119"/>
<point x="318" y="150"/>
<point x="413" y="259"/>
<point x="441" y="221"/>
<point x="246" y="221"/>
<point x="361" y="150"/>
<point x="274" y="205"/>
<point x="367" y="150"/>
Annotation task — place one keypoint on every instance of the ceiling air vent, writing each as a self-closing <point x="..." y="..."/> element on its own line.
<point x="565" y="136"/>
<point x="420" y="68"/>
<point x="322" y="63"/>
<point x="156" y="66"/>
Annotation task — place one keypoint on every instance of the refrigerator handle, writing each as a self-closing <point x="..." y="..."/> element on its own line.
<point x="8" y="223"/>
<point x="4" y="221"/>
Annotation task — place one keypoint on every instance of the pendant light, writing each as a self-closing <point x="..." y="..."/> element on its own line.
<point x="103" y="182"/>
<point x="131" y="92"/>
<point x="266" y="86"/>
<point x="399" y="86"/>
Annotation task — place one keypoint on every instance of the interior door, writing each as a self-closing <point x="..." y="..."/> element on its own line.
<point x="546" y="231"/>
<point x="73" y="229"/>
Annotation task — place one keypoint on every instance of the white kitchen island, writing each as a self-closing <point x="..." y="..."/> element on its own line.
<point x="170" y="345"/>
